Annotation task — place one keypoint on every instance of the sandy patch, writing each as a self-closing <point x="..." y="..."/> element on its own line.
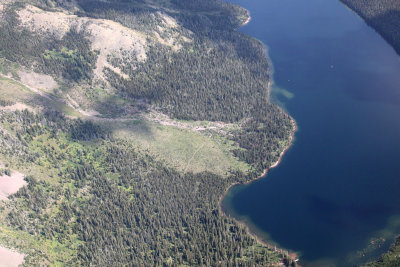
<point x="9" y="258"/>
<point x="39" y="81"/>
<point x="11" y="184"/>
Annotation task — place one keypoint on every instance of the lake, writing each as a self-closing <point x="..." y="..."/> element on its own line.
<point x="334" y="199"/>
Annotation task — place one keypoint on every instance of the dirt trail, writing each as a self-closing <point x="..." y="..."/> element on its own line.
<point x="194" y="154"/>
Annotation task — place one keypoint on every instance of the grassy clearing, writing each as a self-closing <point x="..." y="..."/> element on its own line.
<point x="184" y="149"/>
<point x="11" y="90"/>
<point x="63" y="54"/>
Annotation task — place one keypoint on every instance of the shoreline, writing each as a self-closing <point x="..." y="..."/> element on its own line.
<point x="258" y="240"/>
<point x="247" y="20"/>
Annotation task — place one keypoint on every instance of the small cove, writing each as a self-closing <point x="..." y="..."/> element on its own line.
<point x="334" y="197"/>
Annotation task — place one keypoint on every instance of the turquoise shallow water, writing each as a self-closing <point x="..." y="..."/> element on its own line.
<point x="335" y="197"/>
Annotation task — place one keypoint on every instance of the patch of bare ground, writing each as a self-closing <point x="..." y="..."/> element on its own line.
<point x="197" y="126"/>
<point x="10" y="258"/>
<point x="39" y="81"/>
<point x="10" y="184"/>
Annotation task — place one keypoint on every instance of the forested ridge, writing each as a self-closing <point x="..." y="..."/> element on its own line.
<point x="382" y="15"/>
<point x="95" y="198"/>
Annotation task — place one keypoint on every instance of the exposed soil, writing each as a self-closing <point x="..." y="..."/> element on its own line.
<point x="10" y="258"/>
<point x="11" y="184"/>
<point x="39" y="81"/>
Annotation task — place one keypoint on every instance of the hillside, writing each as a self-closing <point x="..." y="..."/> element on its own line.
<point x="382" y="15"/>
<point x="127" y="121"/>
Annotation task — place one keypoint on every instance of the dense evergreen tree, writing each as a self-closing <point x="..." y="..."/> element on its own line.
<point x="382" y="15"/>
<point x="132" y="209"/>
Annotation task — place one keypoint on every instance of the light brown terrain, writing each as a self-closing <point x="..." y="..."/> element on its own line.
<point x="10" y="258"/>
<point x="11" y="184"/>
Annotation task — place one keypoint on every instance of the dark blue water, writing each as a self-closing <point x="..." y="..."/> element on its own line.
<point x="335" y="197"/>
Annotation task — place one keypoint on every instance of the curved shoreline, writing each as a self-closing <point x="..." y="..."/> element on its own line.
<point x="259" y="240"/>
<point x="292" y="255"/>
